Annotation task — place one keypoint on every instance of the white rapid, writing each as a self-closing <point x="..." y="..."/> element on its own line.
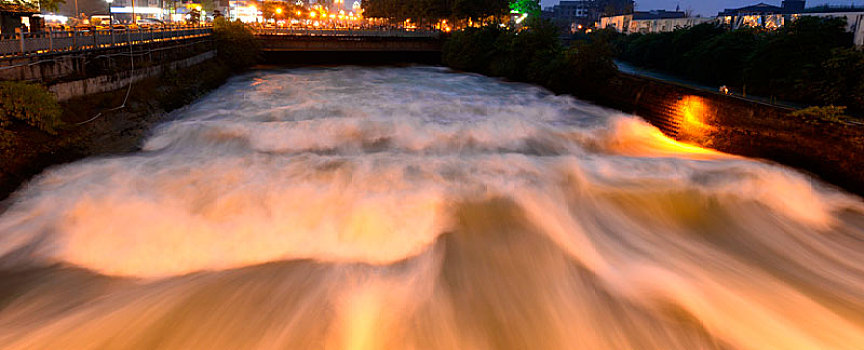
<point x="418" y="208"/>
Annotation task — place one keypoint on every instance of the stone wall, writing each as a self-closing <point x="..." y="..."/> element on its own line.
<point x="833" y="151"/>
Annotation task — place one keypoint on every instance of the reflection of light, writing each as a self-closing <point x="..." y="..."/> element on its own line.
<point x="690" y="114"/>
<point x="634" y="137"/>
<point x="55" y="18"/>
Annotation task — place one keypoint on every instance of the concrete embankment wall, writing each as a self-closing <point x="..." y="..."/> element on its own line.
<point x="832" y="150"/>
<point x="104" y="83"/>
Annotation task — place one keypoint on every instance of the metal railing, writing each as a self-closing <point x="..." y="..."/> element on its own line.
<point x="23" y="44"/>
<point x="376" y="33"/>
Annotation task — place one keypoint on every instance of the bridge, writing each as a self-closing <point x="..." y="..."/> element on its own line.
<point x="54" y="42"/>
<point x="54" y="57"/>
<point x="283" y="45"/>
<point x="271" y="39"/>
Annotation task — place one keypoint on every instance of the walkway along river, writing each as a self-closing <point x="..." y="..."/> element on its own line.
<point x="417" y="208"/>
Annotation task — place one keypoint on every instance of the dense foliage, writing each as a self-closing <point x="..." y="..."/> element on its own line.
<point x="811" y="60"/>
<point x="29" y="103"/>
<point x="432" y="10"/>
<point x="818" y="114"/>
<point x="531" y="7"/>
<point x="533" y="54"/>
<point x="235" y="43"/>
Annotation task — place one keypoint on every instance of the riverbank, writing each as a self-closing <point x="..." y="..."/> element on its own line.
<point x="825" y="144"/>
<point x="94" y="125"/>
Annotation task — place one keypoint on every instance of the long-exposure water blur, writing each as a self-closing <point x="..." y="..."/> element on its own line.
<point x="420" y="208"/>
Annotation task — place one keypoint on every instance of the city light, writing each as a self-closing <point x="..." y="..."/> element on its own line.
<point x="138" y="10"/>
<point x="278" y="11"/>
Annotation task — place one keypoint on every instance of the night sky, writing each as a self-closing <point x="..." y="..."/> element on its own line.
<point x="711" y="7"/>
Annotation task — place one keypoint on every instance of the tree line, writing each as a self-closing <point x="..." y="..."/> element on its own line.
<point x="533" y="54"/>
<point x="432" y="10"/>
<point x="811" y="60"/>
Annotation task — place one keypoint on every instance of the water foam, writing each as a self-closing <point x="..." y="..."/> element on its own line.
<point x="427" y="209"/>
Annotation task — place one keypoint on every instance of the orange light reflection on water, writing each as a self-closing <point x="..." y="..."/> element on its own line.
<point x="637" y="138"/>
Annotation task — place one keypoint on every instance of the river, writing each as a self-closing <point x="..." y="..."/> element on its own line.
<point x="419" y="208"/>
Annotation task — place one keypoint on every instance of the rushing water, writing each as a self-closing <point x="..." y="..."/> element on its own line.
<point x="416" y="208"/>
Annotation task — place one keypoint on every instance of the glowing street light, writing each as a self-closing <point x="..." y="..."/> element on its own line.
<point x="278" y="11"/>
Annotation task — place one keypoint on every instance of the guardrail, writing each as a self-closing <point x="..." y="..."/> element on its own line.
<point x="393" y="33"/>
<point x="27" y="44"/>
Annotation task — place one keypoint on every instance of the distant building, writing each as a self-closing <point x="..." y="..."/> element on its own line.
<point x="657" y="21"/>
<point x="761" y="15"/>
<point x="585" y="12"/>
<point x="773" y="17"/>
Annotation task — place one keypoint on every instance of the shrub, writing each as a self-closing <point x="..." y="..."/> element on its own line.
<point x="235" y="43"/>
<point x="524" y="55"/>
<point x="30" y="103"/>
<point x="472" y="49"/>
<point x="817" y="114"/>
<point x="839" y="80"/>
<point x="584" y="67"/>
<point x="534" y="54"/>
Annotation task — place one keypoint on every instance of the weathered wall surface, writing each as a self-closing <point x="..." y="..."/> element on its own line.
<point x="119" y="80"/>
<point x="832" y="150"/>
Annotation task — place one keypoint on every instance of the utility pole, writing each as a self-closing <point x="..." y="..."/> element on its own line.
<point x="134" y="18"/>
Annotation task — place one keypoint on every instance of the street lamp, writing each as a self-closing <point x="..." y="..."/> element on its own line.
<point x="110" y="16"/>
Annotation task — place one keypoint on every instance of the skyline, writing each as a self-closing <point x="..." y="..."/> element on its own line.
<point x="712" y="7"/>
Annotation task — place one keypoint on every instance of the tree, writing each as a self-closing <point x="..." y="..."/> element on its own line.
<point x="530" y="7"/>
<point x="235" y="43"/>
<point x="791" y="52"/>
<point x="839" y="80"/>
<point x="51" y="5"/>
